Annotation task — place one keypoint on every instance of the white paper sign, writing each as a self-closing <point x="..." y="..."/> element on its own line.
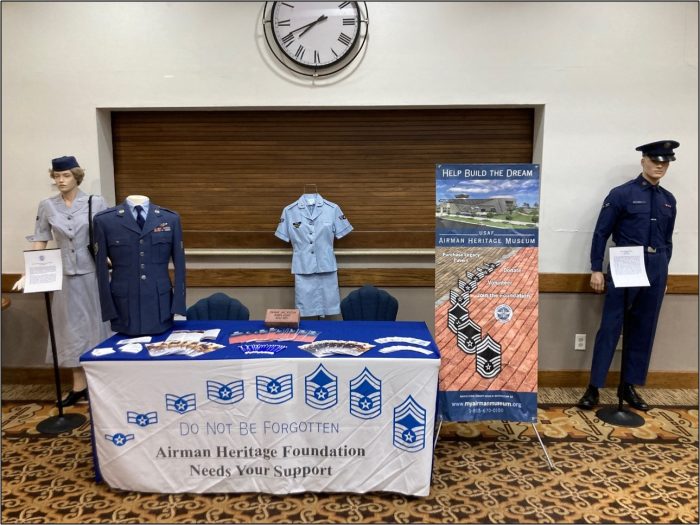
<point x="43" y="270"/>
<point x="627" y="266"/>
<point x="102" y="351"/>
<point x="142" y="339"/>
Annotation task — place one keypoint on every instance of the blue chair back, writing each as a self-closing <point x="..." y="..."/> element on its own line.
<point x="369" y="304"/>
<point x="218" y="307"/>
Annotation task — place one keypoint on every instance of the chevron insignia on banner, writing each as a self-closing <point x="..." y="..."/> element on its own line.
<point x="180" y="404"/>
<point x="274" y="390"/>
<point x="409" y="426"/>
<point x="142" y="420"/>
<point x="456" y="316"/>
<point x="468" y="336"/>
<point x="225" y="393"/>
<point x="365" y="395"/>
<point x="463" y="285"/>
<point x="321" y="389"/>
<point x="119" y="439"/>
<point x="488" y="358"/>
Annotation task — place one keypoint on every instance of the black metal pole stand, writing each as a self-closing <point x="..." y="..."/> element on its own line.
<point x="62" y="422"/>
<point x="618" y="416"/>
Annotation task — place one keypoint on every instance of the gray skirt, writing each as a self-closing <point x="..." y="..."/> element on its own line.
<point x="317" y="294"/>
<point x="77" y="319"/>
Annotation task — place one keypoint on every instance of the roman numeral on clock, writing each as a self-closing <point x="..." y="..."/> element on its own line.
<point x="349" y="21"/>
<point x="286" y="40"/>
<point x="344" y="39"/>
<point x="344" y="4"/>
<point x="283" y="23"/>
<point x="300" y="53"/>
<point x="317" y="57"/>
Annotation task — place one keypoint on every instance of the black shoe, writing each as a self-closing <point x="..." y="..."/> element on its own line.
<point x="590" y="398"/>
<point x="627" y="392"/>
<point x="73" y="397"/>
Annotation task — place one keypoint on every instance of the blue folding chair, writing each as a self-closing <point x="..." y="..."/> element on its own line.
<point x="369" y="304"/>
<point x="218" y="307"/>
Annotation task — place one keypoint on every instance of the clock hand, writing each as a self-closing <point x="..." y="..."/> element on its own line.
<point x="322" y="17"/>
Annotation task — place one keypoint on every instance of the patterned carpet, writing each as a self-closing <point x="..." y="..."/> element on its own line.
<point x="483" y="473"/>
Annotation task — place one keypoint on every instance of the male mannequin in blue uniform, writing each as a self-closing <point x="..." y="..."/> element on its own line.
<point x="638" y="213"/>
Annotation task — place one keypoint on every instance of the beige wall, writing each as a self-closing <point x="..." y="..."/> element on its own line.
<point x="610" y="76"/>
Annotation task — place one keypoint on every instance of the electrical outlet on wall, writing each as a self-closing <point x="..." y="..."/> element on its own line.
<point x="580" y="342"/>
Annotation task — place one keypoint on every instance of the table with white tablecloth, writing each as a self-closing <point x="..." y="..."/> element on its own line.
<point x="279" y="422"/>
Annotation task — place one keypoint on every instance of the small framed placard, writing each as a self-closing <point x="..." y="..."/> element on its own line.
<point x="43" y="270"/>
<point x="282" y="317"/>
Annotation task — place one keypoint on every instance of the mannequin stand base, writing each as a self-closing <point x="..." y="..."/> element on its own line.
<point x="619" y="417"/>
<point x="60" y="424"/>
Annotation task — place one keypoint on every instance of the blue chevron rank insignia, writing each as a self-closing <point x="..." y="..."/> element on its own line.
<point x="488" y="358"/>
<point x="225" y="394"/>
<point x="409" y="426"/>
<point x="321" y="389"/>
<point x="365" y="396"/>
<point x="180" y="404"/>
<point x="119" y="439"/>
<point x="142" y="420"/>
<point x="274" y="390"/>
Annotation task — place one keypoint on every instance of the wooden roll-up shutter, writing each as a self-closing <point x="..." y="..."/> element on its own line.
<point x="230" y="173"/>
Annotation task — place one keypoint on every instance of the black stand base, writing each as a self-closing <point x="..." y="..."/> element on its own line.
<point x="619" y="417"/>
<point x="61" y="423"/>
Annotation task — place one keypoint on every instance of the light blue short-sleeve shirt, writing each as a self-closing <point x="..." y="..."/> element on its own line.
<point x="311" y="224"/>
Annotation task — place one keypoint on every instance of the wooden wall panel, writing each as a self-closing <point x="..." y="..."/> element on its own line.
<point x="381" y="277"/>
<point x="230" y="173"/>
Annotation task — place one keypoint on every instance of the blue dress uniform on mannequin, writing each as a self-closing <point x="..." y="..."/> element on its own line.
<point x="140" y="299"/>
<point x="637" y="213"/>
<point x="310" y="224"/>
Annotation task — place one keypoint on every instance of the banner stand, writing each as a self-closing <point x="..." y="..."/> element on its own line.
<point x="487" y="293"/>
<point x="62" y="422"/>
<point x="438" y="426"/>
<point x="544" y="449"/>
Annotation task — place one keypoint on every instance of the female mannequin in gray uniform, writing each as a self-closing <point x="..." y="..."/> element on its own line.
<point x="76" y="308"/>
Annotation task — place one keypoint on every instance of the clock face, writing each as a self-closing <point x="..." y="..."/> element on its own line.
<point x="315" y="34"/>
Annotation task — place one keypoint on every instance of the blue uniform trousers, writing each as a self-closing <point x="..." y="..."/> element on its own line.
<point x="636" y="310"/>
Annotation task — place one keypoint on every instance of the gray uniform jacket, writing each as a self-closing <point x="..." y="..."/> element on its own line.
<point x="140" y="299"/>
<point x="70" y="229"/>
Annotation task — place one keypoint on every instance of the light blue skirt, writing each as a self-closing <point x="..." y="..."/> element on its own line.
<point x="317" y="294"/>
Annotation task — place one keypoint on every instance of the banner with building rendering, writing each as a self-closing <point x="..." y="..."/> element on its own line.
<point x="486" y="290"/>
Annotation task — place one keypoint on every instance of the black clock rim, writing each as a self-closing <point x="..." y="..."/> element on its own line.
<point x="307" y="66"/>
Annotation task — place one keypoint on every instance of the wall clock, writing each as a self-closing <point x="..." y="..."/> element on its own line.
<point x="315" y="38"/>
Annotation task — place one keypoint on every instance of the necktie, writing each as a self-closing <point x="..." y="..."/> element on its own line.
<point x="139" y="217"/>
<point x="653" y="215"/>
